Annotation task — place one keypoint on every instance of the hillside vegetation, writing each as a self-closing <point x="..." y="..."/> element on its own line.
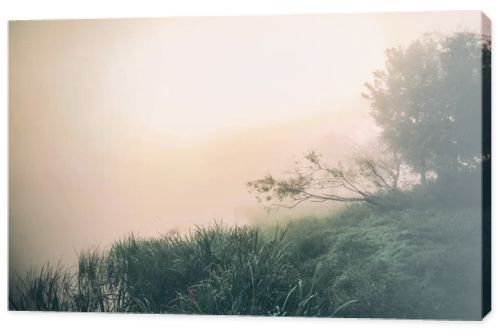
<point x="405" y="262"/>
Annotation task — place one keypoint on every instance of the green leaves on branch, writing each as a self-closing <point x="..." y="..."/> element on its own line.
<point x="314" y="181"/>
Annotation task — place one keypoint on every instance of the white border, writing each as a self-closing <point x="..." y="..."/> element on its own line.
<point x="97" y="323"/>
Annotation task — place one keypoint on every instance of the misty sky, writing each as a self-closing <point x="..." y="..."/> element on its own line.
<point x="149" y="125"/>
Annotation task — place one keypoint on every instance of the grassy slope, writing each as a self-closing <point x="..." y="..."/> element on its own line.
<point x="401" y="263"/>
<point x="359" y="262"/>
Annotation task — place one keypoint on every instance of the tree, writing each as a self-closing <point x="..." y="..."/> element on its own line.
<point x="427" y="102"/>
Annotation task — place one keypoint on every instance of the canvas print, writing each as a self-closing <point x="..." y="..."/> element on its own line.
<point x="332" y="165"/>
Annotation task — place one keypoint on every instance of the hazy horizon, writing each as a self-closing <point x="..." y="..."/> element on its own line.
<point x="151" y="125"/>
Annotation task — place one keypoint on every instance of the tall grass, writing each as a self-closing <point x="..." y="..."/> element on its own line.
<point x="49" y="289"/>
<point x="215" y="270"/>
<point x="359" y="262"/>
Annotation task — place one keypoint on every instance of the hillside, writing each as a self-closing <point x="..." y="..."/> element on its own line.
<point x="401" y="262"/>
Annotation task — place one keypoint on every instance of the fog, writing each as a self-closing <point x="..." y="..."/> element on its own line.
<point x="155" y="125"/>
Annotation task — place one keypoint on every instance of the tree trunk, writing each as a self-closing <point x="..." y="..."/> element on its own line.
<point x="423" y="171"/>
<point x="395" y="179"/>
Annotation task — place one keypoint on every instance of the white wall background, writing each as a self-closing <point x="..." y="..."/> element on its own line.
<point x="104" y="323"/>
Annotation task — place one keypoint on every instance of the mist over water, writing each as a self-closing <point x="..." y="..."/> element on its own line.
<point x="155" y="125"/>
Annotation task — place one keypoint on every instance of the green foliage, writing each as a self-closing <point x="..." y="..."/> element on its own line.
<point x="428" y="102"/>
<point x="420" y="261"/>
<point x="49" y="289"/>
<point x="215" y="270"/>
